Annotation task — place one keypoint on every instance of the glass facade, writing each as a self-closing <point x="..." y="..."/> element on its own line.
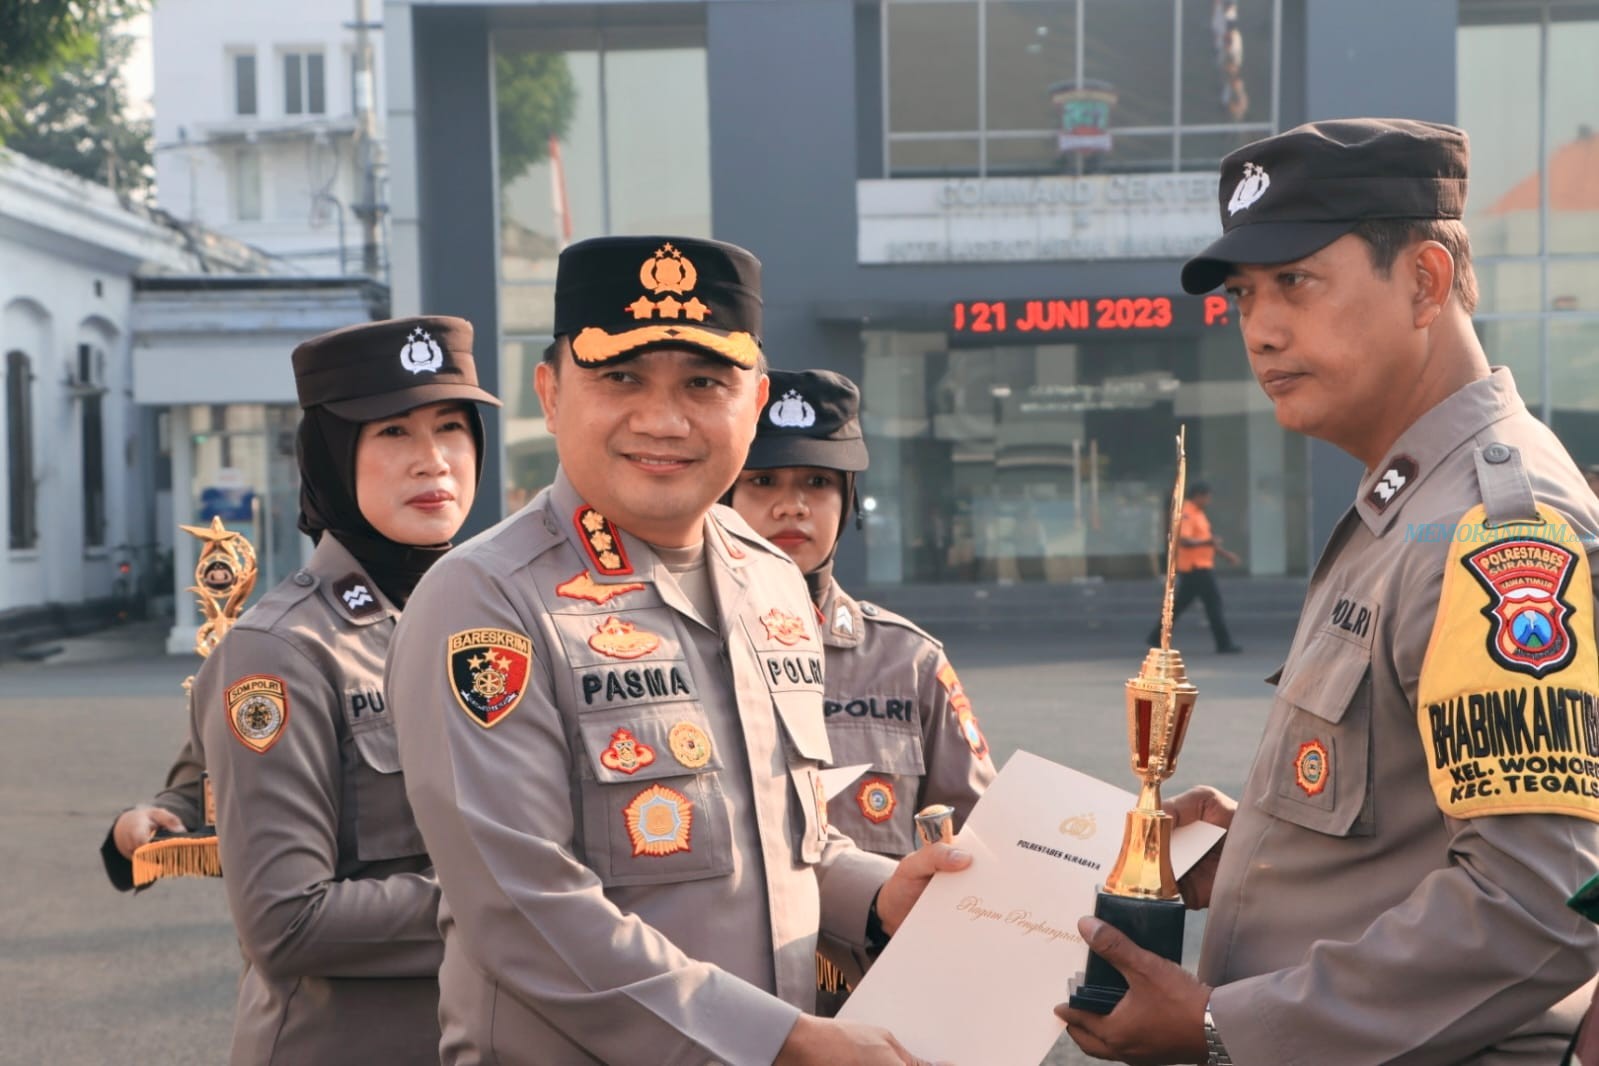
<point x="1053" y="462"/>
<point x="1528" y="94"/>
<point x="599" y="131"/>
<point x="1075" y="86"/>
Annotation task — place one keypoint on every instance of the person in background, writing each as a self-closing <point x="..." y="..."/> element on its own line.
<point x="1197" y="548"/>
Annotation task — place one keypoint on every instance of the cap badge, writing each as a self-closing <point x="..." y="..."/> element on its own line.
<point x="671" y="272"/>
<point x="421" y="354"/>
<point x="792" y="412"/>
<point x="1251" y="187"/>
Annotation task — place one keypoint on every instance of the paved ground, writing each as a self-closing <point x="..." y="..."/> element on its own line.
<point x="89" y="977"/>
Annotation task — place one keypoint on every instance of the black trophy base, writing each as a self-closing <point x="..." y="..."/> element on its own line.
<point x="1153" y="924"/>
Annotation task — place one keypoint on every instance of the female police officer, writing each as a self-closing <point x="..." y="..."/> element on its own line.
<point x="330" y="887"/>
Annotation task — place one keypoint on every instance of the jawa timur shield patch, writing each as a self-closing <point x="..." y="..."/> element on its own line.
<point x="1526" y="580"/>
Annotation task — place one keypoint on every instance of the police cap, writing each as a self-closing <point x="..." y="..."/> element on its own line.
<point x="1287" y="196"/>
<point x="380" y="369"/>
<point x="812" y="418"/>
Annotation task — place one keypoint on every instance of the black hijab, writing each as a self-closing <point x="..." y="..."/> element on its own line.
<point x="325" y="447"/>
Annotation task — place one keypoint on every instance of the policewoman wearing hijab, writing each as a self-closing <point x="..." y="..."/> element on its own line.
<point x="331" y="890"/>
<point x="892" y="698"/>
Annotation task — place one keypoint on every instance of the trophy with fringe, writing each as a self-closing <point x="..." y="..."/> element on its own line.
<point x="1140" y="896"/>
<point x="224" y="576"/>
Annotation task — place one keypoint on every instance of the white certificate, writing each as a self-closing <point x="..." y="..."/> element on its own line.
<point x="974" y="972"/>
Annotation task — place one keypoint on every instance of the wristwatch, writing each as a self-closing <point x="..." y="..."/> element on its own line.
<point x="1215" y="1050"/>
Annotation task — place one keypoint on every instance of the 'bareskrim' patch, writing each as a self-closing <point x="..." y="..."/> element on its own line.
<point x="258" y="709"/>
<point x="489" y="672"/>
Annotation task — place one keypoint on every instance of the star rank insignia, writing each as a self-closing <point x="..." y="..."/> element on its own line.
<point x="602" y="542"/>
<point x="489" y="672"/>
<point x="584" y="587"/>
<point x="626" y="753"/>
<point x="622" y="640"/>
<point x="784" y="627"/>
<point x="258" y="709"/>
<point x="659" y="821"/>
<point x="876" y="800"/>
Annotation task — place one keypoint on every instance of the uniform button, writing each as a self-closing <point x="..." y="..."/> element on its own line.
<point x="303" y="579"/>
<point x="869" y="609"/>
<point x="1496" y="453"/>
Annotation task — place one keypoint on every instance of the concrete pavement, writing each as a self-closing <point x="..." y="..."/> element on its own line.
<point x="88" y="976"/>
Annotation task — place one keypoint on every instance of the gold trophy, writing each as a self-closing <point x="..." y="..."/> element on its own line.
<point x="1140" y="896"/>
<point x="224" y="576"/>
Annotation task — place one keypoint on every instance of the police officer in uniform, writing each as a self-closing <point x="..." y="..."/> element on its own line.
<point x="893" y="700"/>
<point x="1424" y="798"/>
<point x="175" y="808"/>
<point x="610" y="713"/>
<point x="326" y="876"/>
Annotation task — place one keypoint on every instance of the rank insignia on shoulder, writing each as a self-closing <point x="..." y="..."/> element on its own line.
<point x="622" y="640"/>
<point x="962" y="708"/>
<point x="489" y="671"/>
<point x="1396" y="478"/>
<point x="1312" y="767"/>
<point x="784" y="627"/>
<point x="258" y="709"/>
<point x="843" y="621"/>
<point x="602" y="542"/>
<point x="356" y="596"/>
<point x="626" y="754"/>
<point x="659" y="821"/>
<point x="876" y="800"/>
<point x="584" y="587"/>
<point x="690" y="746"/>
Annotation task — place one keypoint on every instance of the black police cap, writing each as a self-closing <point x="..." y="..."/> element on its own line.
<point x="812" y="418"/>
<point x="1287" y="196"/>
<point x="617" y="297"/>
<point x="380" y="369"/>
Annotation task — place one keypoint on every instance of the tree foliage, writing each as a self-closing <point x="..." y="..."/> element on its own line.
<point x="76" y="118"/>
<point x="536" y="100"/>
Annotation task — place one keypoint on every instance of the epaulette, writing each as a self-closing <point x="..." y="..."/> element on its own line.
<point x="282" y="598"/>
<point x="873" y="613"/>
<point x="733" y="522"/>
<point x="514" y="541"/>
<point x="1507" y="495"/>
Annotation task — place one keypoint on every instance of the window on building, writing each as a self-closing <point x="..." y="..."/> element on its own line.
<point x="1527" y="94"/>
<point x="304" y="84"/>
<point x="247" y="185"/>
<point x="244" y="83"/>
<point x="20" y="489"/>
<point x="579" y="139"/>
<point x="91" y="370"/>
<point x="1074" y="86"/>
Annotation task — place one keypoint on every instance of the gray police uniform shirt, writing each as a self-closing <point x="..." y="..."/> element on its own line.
<point x="330" y="888"/>
<point x="895" y="702"/>
<point x="622" y="797"/>
<point x="1421" y="805"/>
<point x="181" y="796"/>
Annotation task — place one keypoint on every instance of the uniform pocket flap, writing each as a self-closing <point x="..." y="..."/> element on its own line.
<point x="631" y="745"/>
<point x="1324" y="679"/>
<point x="379" y="748"/>
<point x="801" y="715"/>
<point x="889" y="751"/>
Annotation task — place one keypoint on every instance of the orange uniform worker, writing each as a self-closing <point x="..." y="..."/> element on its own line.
<point x="1196" y="568"/>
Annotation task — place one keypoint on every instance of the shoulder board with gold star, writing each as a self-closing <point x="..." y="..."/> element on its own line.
<point x="602" y="541"/>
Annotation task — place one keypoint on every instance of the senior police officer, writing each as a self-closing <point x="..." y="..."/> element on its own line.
<point x="1424" y="798"/>
<point x="894" y="702"/>
<point x="610" y="713"/>
<point x="326" y="877"/>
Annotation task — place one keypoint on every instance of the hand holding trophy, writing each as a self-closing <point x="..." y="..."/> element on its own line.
<point x="1140" y="895"/>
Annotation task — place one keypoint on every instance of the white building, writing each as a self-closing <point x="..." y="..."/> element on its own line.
<point x="258" y="125"/>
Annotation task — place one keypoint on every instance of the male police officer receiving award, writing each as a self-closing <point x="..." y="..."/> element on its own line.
<point x="610" y="714"/>
<point x="1425" y="796"/>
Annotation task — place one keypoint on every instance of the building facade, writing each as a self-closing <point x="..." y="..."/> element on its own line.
<point x="262" y="131"/>
<point x="978" y="209"/>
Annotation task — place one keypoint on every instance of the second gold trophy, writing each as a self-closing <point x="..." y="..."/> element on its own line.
<point x="1140" y="896"/>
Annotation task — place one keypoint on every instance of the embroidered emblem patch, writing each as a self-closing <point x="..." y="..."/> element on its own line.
<point x="1250" y="188"/>
<point x="659" y="821"/>
<point x="1526" y="580"/>
<point x="1396" y="478"/>
<point x="357" y="598"/>
<point x="690" y="746"/>
<point x="622" y="640"/>
<point x="258" y="709"/>
<point x="784" y="627"/>
<point x="626" y="754"/>
<point x="1312" y="767"/>
<point x="843" y="621"/>
<point x="421" y="354"/>
<point x="876" y="800"/>
<point x="602" y="542"/>
<point x="489" y="672"/>
<point x="792" y="412"/>
<point x="962" y="708"/>
<point x="584" y="587"/>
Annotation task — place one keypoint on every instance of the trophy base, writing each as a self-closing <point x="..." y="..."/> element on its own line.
<point x="1153" y="924"/>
